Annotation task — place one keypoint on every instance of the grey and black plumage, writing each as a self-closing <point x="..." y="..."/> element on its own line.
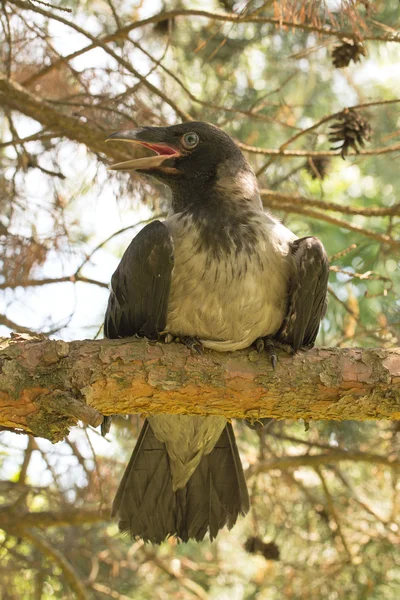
<point x="222" y="270"/>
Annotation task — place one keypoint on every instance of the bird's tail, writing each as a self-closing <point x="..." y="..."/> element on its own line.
<point x="214" y="496"/>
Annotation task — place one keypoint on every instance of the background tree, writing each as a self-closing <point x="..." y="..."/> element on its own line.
<point x="281" y="77"/>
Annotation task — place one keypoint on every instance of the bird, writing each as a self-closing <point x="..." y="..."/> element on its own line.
<point x="218" y="273"/>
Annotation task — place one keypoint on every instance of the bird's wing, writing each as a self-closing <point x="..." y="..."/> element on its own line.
<point x="307" y="294"/>
<point x="140" y="286"/>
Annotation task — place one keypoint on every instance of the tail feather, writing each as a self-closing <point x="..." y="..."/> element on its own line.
<point x="227" y="467"/>
<point x="215" y="495"/>
<point x="139" y="502"/>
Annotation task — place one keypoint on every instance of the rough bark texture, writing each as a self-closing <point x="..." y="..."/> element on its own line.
<point x="47" y="385"/>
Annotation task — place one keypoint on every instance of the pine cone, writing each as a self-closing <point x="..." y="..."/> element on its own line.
<point x="352" y="131"/>
<point x="254" y="545"/>
<point x="317" y="167"/>
<point x="346" y="52"/>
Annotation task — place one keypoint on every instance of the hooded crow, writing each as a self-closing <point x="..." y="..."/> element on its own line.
<point x="219" y="273"/>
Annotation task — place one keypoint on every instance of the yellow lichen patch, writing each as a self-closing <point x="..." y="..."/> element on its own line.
<point x="14" y="412"/>
<point x="109" y="397"/>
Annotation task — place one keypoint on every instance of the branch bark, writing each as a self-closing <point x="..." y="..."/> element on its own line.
<point x="48" y="385"/>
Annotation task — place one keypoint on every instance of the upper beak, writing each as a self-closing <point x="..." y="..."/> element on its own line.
<point x="150" y="137"/>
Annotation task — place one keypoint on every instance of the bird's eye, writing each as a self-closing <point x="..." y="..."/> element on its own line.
<point x="190" y="140"/>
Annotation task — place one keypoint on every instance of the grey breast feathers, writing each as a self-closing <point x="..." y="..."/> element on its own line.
<point x="229" y="299"/>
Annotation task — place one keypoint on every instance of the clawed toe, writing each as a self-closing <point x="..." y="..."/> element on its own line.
<point x="168" y="338"/>
<point x="270" y="350"/>
<point x="267" y="344"/>
<point x="260" y="345"/>
<point x="193" y="343"/>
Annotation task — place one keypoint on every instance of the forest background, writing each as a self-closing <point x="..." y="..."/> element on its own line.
<point x="280" y="78"/>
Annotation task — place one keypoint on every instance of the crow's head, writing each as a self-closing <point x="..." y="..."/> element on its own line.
<point x="195" y="159"/>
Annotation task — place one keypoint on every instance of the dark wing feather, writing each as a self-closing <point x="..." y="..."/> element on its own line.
<point x="146" y="504"/>
<point x="140" y="286"/>
<point x="307" y="294"/>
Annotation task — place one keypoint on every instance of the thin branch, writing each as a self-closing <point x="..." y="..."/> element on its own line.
<point x="8" y="37"/>
<point x="344" y="305"/>
<point x="234" y="18"/>
<point x="333" y="512"/>
<point x="122" y="33"/>
<point x="112" y="236"/>
<point x="14" y="326"/>
<point x="317" y="460"/>
<point x="321" y="216"/>
<point x="31" y="446"/>
<point x="47" y="281"/>
<point x="53" y="6"/>
<point x="295" y="440"/>
<point x="334" y="116"/>
<point x="354" y="497"/>
<point x="367" y="276"/>
<point x="98" y="43"/>
<point x="316" y="154"/>
<point x="375" y="211"/>
<point x="45" y="519"/>
<point x="247" y="113"/>
<point x="342" y="253"/>
<point x="185" y="582"/>
<point x="107" y="591"/>
<point x="55" y="557"/>
<point x="15" y="96"/>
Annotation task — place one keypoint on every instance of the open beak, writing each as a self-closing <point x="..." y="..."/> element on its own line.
<point x="144" y="137"/>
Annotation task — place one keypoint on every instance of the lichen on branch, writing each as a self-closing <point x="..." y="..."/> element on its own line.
<point x="48" y="385"/>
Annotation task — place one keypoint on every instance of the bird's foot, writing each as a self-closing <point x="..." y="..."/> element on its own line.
<point x="306" y="347"/>
<point x="285" y="347"/>
<point x="267" y="344"/>
<point x="260" y="423"/>
<point x="193" y="343"/>
<point x="167" y="338"/>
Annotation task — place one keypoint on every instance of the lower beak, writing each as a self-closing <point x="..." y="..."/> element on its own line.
<point x="164" y="152"/>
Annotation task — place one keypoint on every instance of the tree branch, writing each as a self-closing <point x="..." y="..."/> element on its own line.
<point x="277" y="199"/>
<point x="316" y="460"/>
<point x="44" y="281"/>
<point x="316" y="153"/>
<point x="11" y="517"/>
<point x="270" y="201"/>
<point x="14" y="326"/>
<point x="56" y="557"/>
<point x="47" y="385"/>
<point x="14" y="96"/>
<point x="97" y="43"/>
<point x="227" y="18"/>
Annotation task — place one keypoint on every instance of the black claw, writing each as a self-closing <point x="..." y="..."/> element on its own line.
<point x="193" y="343"/>
<point x="260" y="345"/>
<point x="270" y="350"/>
